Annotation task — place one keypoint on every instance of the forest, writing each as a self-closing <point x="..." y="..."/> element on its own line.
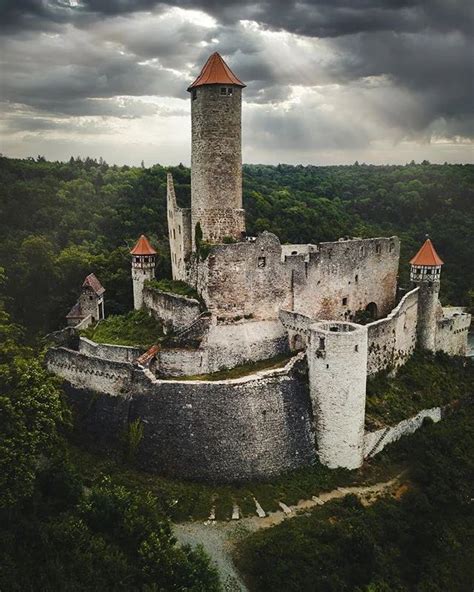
<point x="60" y="221"/>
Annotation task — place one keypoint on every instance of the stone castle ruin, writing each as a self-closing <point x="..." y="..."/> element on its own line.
<point x="332" y="310"/>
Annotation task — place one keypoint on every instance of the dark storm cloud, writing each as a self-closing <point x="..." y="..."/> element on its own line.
<point x="320" y="18"/>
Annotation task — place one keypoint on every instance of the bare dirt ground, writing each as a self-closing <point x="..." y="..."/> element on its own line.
<point x="219" y="538"/>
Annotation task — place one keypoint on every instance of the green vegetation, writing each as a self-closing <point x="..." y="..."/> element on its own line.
<point x="55" y="533"/>
<point x="136" y="328"/>
<point x="425" y="381"/>
<point x="419" y="541"/>
<point x="60" y="221"/>
<point x="173" y="287"/>
<point x="244" y="369"/>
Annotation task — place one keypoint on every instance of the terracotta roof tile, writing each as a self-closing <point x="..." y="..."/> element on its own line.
<point x="143" y="247"/>
<point x="92" y="282"/>
<point x="216" y="71"/>
<point x="427" y="255"/>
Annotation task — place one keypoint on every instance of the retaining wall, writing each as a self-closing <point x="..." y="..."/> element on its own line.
<point x="176" y="312"/>
<point x="106" y="351"/>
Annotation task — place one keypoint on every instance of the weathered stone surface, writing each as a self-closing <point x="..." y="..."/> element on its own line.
<point x="114" y="353"/>
<point x="176" y="312"/>
<point x="452" y="331"/>
<point x="337" y="362"/>
<point x="247" y="428"/>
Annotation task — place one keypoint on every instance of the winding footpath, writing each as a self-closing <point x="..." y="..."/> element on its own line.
<point x="219" y="538"/>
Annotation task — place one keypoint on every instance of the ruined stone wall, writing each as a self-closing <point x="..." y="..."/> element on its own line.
<point x="325" y="281"/>
<point x="247" y="428"/>
<point x="392" y="340"/>
<point x="375" y="442"/>
<point x="176" y="312"/>
<point x="216" y="163"/>
<point x="452" y="332"/>
<point x="106" y="351"/>
<point x="179" y="230"/>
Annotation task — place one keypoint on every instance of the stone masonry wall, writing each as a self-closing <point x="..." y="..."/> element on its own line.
<point x="247" y="428"/>
<point x="115" y="353"/>
<point x="179" y="229"/>
<point x="375" y="442"/>
<point x="88" y="372"/>
<point x="393" y="339"/>
<point x="216" y="163"/>
<point x="452" y="331"/>
<point x="176" y="312"/>
<point x="330" y="281"/>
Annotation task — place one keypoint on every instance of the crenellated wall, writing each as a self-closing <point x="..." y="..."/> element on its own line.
<point x="392" y="340"/>
<point x="324" y="281"/>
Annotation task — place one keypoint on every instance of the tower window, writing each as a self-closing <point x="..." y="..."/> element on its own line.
<point x="322" y="343"/>
<point x="226" y="91"/>
<point x="261" y="262"/>
<point x="356" y="279"/>
<point x="344" y="301"/>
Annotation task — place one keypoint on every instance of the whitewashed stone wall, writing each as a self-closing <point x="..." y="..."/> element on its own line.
<point x="337" y="363"/>
<point x="392" y="340"/>
<point x="375" y="442"/>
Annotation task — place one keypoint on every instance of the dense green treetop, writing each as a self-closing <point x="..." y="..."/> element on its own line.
<point x="60" y="221"/>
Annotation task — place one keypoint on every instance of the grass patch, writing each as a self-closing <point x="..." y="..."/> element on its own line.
<point x="425" y="381"/>
<point x="136" y="329"/>
<point x="173" y="287"/>
<point x="244" y="369"/>
<point x="185" y="500"/>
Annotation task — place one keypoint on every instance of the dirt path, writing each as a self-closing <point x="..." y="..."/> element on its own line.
<point x="219" y="538"/>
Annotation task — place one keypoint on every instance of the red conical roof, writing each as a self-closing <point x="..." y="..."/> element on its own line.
<point x="427" y="255"/>
<point x="143" y="247"/>
<point x="216" y="71"/>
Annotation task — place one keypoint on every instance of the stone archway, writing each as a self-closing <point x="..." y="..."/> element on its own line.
<point x="372" y="310"/>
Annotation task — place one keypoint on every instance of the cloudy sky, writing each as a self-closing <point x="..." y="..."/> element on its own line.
<point x="328" y="81"/>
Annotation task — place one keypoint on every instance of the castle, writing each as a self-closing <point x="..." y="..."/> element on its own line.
<point x="331" y="310"/>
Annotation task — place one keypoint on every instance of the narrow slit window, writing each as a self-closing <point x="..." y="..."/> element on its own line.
<point x="261" y="262"/>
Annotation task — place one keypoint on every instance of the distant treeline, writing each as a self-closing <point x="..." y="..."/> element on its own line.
<point x="61" y="220"/>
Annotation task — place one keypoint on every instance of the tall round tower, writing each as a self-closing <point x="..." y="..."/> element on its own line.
<point x="337" y="362"/>
<point x="143" y="268"/>
<point x="216" y="153"/>
<point x="426" y="272"/>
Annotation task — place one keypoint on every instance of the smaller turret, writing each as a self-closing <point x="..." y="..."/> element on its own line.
<point x="143" y="268"/>
<point x="425" y="273"/>
<point x="90" y="306"/>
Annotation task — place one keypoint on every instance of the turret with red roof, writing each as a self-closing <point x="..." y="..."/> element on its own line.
<point x="425" y="273"/>
<point x="143" y="268"/>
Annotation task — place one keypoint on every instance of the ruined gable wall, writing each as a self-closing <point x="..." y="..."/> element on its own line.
<point x="179" y="231"/>
<point x="452" y="332"/>
<point x="392" y="340"/>
<point x="256" y="279"/>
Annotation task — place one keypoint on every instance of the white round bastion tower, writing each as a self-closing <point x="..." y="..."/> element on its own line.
<point x="143" y="268"/>
<point x="337" y="361"/>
